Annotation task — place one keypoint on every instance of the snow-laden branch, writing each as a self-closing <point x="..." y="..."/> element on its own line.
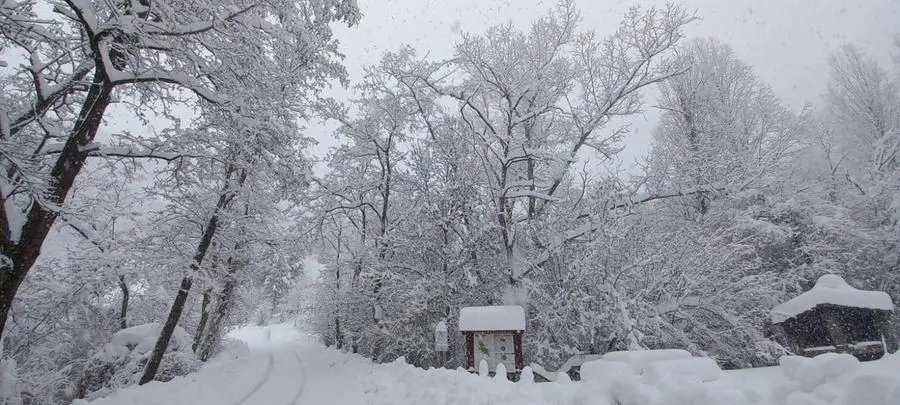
<point x="118" y="77"/>
<point x="89" y="233"/>
<point x="81" y="11"/>
<point x="595" y="223"/>
<point x="47" y="97"/>
<point x="529" y="193"/>
<point x="193" y="28"/>
<point x="100" y="150"/>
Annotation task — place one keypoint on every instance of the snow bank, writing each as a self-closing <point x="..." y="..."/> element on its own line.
<point x="604" y="370"/>
<point x="605" y="383"/>
<point x="398" y="383"/>
<point x="811" y="373"/>
<point x="695" y="369"/>
<point x="640" y="359"/>
<point x="838" y="379"/>
<point x="873" y="390"/>
<point x="829" y="379"/>
<point x="664" y="377"/>
<point x="222" y="380"/>
<point x="831" y="289"/>
<point x="500" y="317"/>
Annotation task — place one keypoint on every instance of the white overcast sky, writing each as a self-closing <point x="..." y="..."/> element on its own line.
<point x="787" y="41"/>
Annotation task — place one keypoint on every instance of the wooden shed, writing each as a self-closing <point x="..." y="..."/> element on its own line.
<point x="835" y="317"/>
<point x="494" y="334"/>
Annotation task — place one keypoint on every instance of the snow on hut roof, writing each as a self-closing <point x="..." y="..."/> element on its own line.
<point x="504" y="317"/>
<point x="831" y="289"/>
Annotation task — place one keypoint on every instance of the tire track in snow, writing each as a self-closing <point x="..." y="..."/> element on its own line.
<point x="270" y="364"/>
<point x="299" y="394"/>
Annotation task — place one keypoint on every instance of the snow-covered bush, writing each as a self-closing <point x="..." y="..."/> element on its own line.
<point x="121" y="362"/>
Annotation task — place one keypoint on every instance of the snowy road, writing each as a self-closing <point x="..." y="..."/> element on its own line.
<point x="284" y="370"/>
<point x="281" y="366"/>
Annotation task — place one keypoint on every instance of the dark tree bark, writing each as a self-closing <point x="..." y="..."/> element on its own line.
<point x="219" y="314"/>
<point x="204" y="317"/>
<point x="212" y="333"/>
<point x="162" y="343"/>
<point x="338" y="338"/>
<point x="123" y="313"/>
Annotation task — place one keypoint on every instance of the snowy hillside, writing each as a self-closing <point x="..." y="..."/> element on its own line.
<point x="280" y="365"/>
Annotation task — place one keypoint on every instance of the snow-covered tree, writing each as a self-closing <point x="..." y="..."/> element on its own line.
<point x="250" y="68"/>
<point x="721" y="129"/>
<point x="55" y="102"/>
<point x="490" y="139"/>
<point x="850" y="197"/>
<point x="534" y="101"/>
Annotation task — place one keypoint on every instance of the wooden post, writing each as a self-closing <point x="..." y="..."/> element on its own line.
<point x="470" y="349"/>
<point x="520" y="355"/>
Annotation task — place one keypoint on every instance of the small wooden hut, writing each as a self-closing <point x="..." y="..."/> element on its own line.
<point x="835" y="317"/>
<point x="494" y="334"/>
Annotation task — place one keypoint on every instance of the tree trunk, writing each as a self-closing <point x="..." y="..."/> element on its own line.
<point x="10" y="279"/>
<point x="694" y="145"/>
<point x="171" y="322"/>
<point x="338" y="340"/>
<point x="204" y="316"/>
<point x="21" y="254"/>
<point x="212" y="335"/>
<point x="123" y="313"/>
<point x="202" y="248"/>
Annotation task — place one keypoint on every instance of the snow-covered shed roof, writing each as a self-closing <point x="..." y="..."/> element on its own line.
<point x="831" y="289"/>
<point x="501" y="317"/>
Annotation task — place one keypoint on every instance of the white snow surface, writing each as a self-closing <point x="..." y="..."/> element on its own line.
<point x="141" y="339"/>
<point x="279" y="365"/>
<point x="604" y="370"/>
<point x="269" y="365"/>
<point x="831" y="289"/>
<point x="500" y="317"/>
<point x="694" y="369"/>
<point x="640" y="359"/>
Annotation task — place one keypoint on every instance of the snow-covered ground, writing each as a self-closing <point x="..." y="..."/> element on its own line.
<point x="280" y="365"/>
<point x="275" y="365"/>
